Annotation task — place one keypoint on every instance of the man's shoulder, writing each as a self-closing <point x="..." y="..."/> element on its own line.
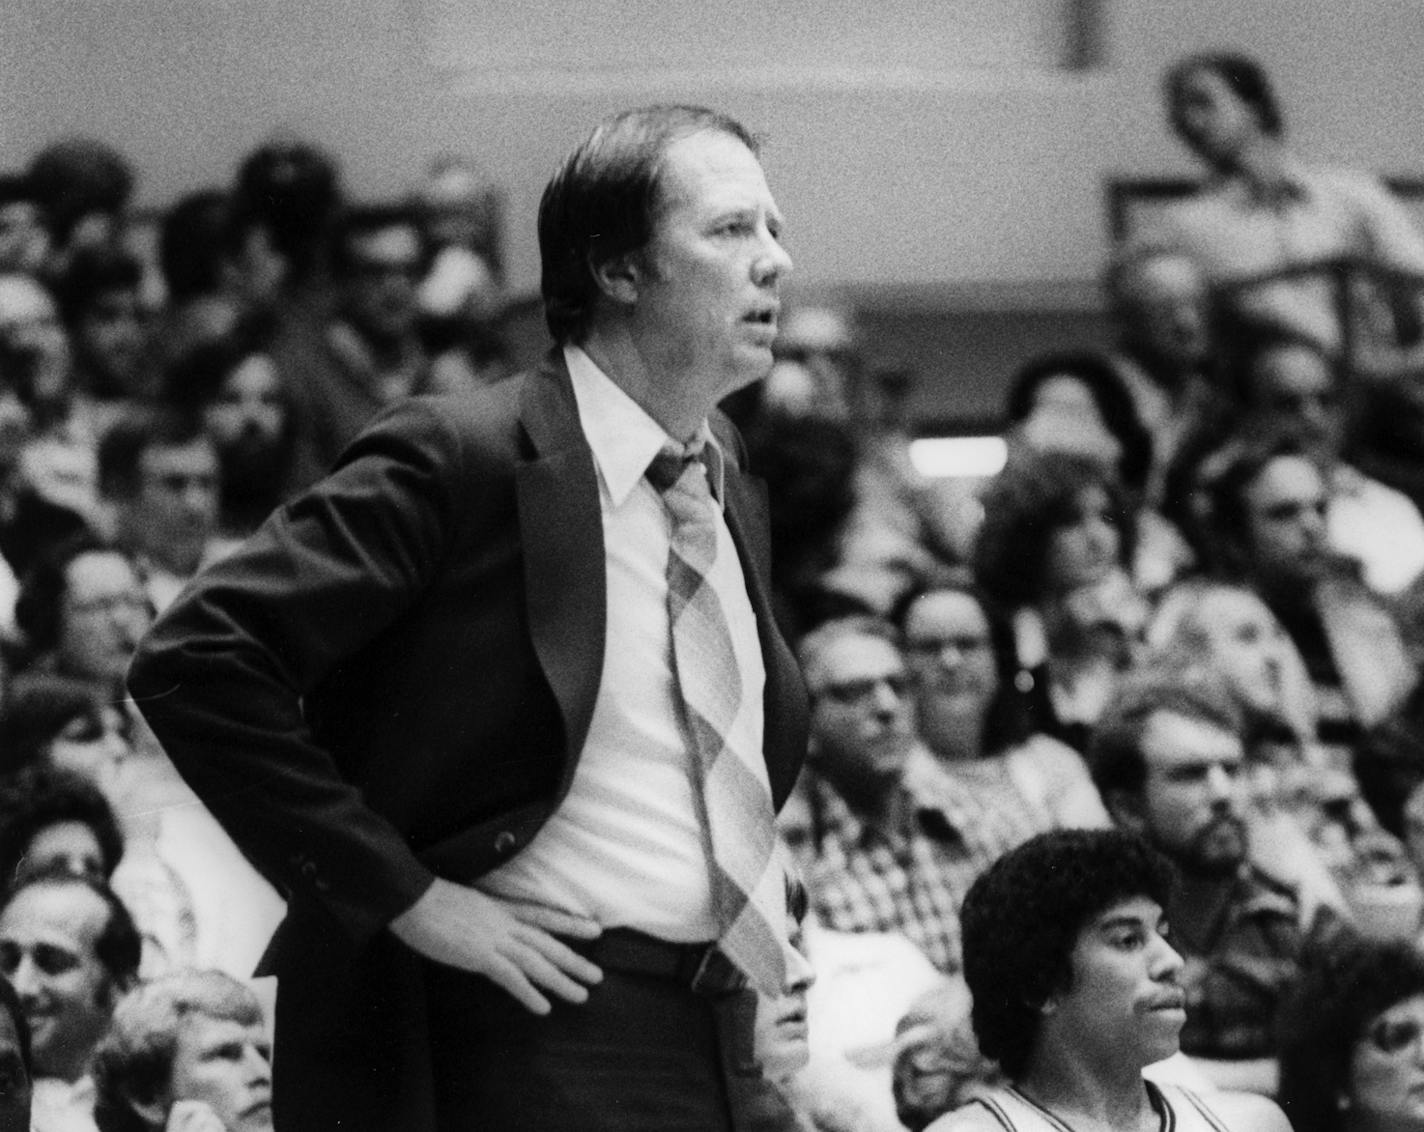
<point x="1238" y="1112"/>
<point x="971" y="1118"/>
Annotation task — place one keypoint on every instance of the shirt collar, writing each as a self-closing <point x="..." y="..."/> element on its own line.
<point x="623" y="437"/>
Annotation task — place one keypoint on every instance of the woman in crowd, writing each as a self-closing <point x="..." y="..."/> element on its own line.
<point x="1054" y="550"/>
<point x="973" y="718"/>
<point x="64" y="723"/>
<point x="54" y="820"/>
<point x="1077" y="403"/>
<point x="1352" y="1052"/>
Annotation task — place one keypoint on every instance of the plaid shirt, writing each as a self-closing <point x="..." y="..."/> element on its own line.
<point x="909" y="879"/>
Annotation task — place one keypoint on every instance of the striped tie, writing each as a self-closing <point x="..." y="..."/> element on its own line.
<point x="748" y="888"/>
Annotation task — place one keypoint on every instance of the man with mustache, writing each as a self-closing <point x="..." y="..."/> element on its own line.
<point x="1169" y="761"/>
<point x="1077" y="992"/>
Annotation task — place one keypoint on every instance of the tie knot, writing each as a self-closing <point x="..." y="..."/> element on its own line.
<point x="669" y="464"/>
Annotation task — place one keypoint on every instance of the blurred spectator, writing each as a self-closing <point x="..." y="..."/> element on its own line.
<point x="82" y="608"/>
<point x="185" y="1053"/>
<point x="461" y="296"/>
<point x="808" y="464"/>
<point x="190" y="245"/>
<point x="68" y="724"/>
<point x="824" y="341"/>
<point x="233" y="383"/>
<point x="70" y="949"/>
<point x="54" y="820"/>
<point x="975" y="722"/>
<point x="1351" y="1041"/>
<point x="1292" y="777"/>
<point x="1263" y="210"/>
<point x="1078" y="404"/>
<point x="1228" y="626"/>
<point x="83" y="187"/>
<point x="36" y="363"/>
<point x="367" y="355"/>
<point x="1291" y="384"/>
<point x="1169" y="760"/>
<point x="884" y="850"/>
<point x="1267" y="527"/>
<point x="16" y="1063"/>
<point x="286" y="195"/>
<point x="158" y="469"/>
<point x="1057" y="527"/>
<point x="938" y="1065"/>
<point x="24" y="243"/>
<point x="764" y="1086"/>
<point x="1161" y="310"/>
<point x="99" y="296"/>
<point x="50" y="725"/>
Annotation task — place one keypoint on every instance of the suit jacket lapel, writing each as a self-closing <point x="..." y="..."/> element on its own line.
<point x="562" y="538"/>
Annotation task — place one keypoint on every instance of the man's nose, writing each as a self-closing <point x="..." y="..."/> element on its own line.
<point x="800" y="975"/>
<point x="887" y="696"/>
<point x="1167" y="961"/>
<point x="774" y="263"/>
<point x="1220" y="783"/>
<point x="25" y="978"/>
<point x="259" y="1068"/>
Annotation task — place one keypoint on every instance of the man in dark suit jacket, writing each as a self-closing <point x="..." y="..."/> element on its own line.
<point x="433" y="698"/>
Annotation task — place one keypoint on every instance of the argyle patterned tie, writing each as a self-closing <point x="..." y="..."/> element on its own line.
<point x="748" y="887"/>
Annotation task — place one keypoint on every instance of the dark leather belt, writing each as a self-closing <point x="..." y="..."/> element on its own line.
<point x="698" y="966"/>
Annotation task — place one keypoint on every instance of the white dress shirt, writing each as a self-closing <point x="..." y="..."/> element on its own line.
<point x="626" y="846"/>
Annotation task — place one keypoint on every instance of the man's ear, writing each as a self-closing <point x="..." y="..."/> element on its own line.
<point x="620" y="277"/>
<point x="1127" y="811"/>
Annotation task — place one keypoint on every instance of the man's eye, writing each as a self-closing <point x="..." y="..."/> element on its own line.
<point x="54" y="961"/>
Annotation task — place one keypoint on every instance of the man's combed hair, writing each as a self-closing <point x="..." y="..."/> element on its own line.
<point x="601" y="203"/>
<point x="134" y="1061"/>
<point x="1193" y="690"/>
<point x="1022" y="918"/>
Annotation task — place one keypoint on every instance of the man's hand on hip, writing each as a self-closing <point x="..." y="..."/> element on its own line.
<point x="512" y="944"/>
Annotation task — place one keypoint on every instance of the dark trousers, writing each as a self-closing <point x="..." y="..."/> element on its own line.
<point x="643" y="1054"/>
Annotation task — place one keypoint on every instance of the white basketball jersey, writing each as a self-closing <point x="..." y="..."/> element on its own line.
<point x="1181" y="1111"/>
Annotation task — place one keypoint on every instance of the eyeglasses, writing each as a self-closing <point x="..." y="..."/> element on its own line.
<point x="1392" y="1036"/>
<point x="856" y="693"/>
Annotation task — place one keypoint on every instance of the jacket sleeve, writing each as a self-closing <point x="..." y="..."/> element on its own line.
<point x="221" y="676"/>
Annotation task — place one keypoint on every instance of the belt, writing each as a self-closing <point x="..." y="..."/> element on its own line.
<point x="701" y="967"/>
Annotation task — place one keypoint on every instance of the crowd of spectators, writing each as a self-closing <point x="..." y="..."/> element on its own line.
<point x="1190" y="605"/>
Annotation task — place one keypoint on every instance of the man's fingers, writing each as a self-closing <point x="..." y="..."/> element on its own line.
<point x="542" y="972"/>
<point x="556" y="922"/>
<point x="564" y="957"/>
<point x="508" y="975"/>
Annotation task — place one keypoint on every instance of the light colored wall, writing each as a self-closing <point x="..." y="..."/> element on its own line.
<point x="963" y="179"/>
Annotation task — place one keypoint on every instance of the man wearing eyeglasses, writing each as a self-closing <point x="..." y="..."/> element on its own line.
<point x="886" y="851"/>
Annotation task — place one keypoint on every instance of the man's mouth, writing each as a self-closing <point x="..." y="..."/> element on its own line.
<point x="1169" y="1000"/>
